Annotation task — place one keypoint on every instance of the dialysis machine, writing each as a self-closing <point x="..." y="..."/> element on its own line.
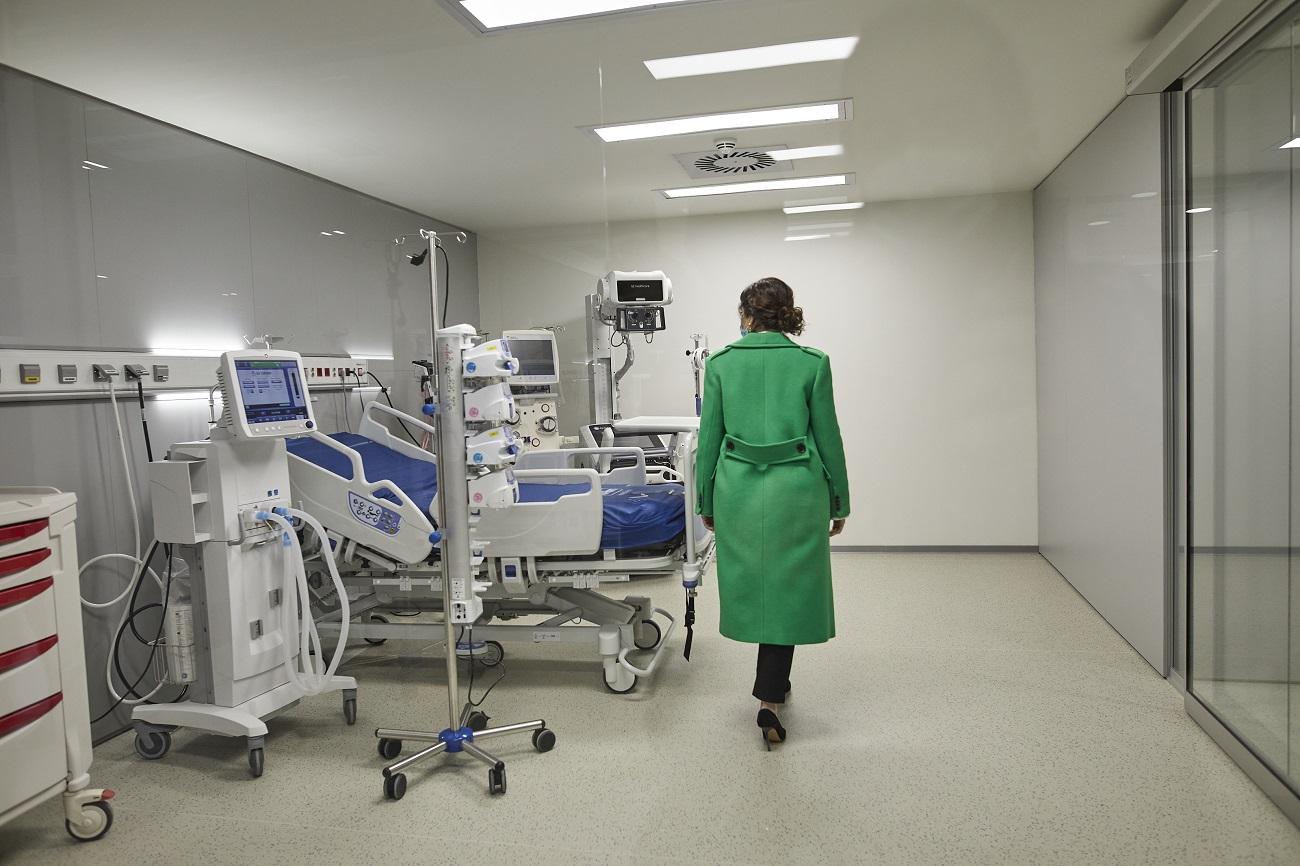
<point x="536" y="388"/>
<point x="245" y="642"/>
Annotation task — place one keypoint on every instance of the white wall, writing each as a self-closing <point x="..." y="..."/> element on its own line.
<point x="926" y="308"/>
<point x="1098" y="253"/>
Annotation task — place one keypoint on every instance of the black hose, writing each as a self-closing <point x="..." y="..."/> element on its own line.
<point x="383" y="389"/>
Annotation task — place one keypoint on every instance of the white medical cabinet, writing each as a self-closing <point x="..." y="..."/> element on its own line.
<point x="45" y="747"/>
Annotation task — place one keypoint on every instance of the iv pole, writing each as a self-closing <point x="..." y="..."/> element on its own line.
<point x="447" y="384"/>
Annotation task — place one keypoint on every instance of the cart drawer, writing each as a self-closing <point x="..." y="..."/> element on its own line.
<point x="28" y="674"/>
<point x="32" y="751"/>
<point x="26" y="613"/>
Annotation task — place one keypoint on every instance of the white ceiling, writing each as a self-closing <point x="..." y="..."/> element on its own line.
<point x="399" y="99"/>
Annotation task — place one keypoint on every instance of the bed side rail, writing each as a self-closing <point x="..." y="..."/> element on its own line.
<point x="568" y="526"/>
<point x="566" y="457"/>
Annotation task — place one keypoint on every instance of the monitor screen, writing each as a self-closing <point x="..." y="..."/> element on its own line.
<point x="642" y="291"/>
<point x="271" y="390"/>
<point x="536" y="357"/>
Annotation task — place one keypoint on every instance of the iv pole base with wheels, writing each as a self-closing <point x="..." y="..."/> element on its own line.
<point x="460" y="605"/>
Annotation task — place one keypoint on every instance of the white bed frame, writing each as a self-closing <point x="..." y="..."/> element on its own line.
<point x="552" y="548"/>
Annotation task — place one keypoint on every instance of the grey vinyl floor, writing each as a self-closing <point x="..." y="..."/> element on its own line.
<point x="973" y="709"/>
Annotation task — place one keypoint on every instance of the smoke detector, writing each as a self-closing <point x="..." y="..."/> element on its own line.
<point x="729" y="159"/>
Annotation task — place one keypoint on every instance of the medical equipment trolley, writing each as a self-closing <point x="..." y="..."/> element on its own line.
<point x="45" y="745"/>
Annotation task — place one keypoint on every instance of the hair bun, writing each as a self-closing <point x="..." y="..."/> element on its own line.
<point x="769" y="304"/>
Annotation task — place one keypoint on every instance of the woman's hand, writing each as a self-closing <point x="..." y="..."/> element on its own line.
<point x="837" y="526"/>
<point x="708" y="522"/>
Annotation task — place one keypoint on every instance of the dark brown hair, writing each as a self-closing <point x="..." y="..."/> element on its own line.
<point x="769" y="305"/>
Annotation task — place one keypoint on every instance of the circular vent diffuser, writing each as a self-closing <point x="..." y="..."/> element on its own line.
<point x="735" y="162"/>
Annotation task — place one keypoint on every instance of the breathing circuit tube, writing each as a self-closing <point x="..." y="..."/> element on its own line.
<point x="311" y="674"/>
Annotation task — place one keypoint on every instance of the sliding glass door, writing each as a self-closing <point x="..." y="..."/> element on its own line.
<point x="1243" y="409"/>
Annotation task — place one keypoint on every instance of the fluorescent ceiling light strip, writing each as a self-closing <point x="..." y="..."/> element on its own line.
<point x="1293" y="143"/>
<point x="758" y="186"/>
<point x="814" y="208"/>
<point x="764" y="57"/>
<point x="511" y="13"/>
<point x="1195" y="210"/>
<point x="749" y="119"/>
<point x="819" y="227"/>
<point x="806" y="237"/>
<point x="806" y="152"/>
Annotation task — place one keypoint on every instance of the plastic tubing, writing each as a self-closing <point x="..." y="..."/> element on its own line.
<point x="135" y="519"/>
<point x="311" y="675"/>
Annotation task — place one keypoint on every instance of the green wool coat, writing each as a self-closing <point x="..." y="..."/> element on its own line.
<point x="771" y="473"/>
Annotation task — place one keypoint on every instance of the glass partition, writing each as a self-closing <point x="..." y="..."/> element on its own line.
<point x="1244" y="449"/>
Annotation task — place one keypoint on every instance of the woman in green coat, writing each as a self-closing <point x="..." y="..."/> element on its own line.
<point x="772" y="479"/>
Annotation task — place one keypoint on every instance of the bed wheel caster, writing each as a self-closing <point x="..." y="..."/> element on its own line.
<point x="544" y="739"/>
<point x="477" y="721"/>
<point x="394" y="785"/>
<point x="350" y="710"/>
<point x="622" y="685"/>
<point x="647" y="635"/>
<point x="98" y="818"/>
<point x="152" y="745"/>
<point x="256" y="762"/>
<point x="389" y="749"/>
<point x="497" y="780"/>
<point x="377" y="641"/>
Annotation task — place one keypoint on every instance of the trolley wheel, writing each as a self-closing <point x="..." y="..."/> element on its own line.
<point x="544" y="739"/>
<point x="98" y="819"/>
<point x="477" y="720"/>
<point x="395" y="786"/>
<point x="256" y="762"/>
<point x="389" y="749"/>
<point x="377" y="641"/>
<point x="350" y="710"/>
<point x="497" y="780"/>
<point x="628" y="689"/>
<point x="152" y="745"/>
<point x="647" y="628"/>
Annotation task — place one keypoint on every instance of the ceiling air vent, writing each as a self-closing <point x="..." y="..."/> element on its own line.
<point x="728" y="160"/>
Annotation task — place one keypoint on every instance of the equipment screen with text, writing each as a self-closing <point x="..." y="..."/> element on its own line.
<point x="271" y="391"/>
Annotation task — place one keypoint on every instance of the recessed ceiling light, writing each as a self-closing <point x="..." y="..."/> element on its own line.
<point x="806" y="152"/>
<point x="817" y="112"/>
<point x="91" y="166"/>
<point x="1199" y="209"/>
<point x="1144" y="195"/>
<point x="328" y="234"/>
<point x="495" y="14"/>
<point x="1295" y="142"/>
<point x="338" y="232"/>
<point x="763" y="57"/>
<point x="1099" y="223"/>
<point x="813" y="208"/>
<point x="806" y="237"/>
<point x="759" y="186"/>
<point x="819" y="227"/>
<point x="101" y="276"/>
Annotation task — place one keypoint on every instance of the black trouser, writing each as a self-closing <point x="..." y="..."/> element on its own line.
<point x="773" y="678"/>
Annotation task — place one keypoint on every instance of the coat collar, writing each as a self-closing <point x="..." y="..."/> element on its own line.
<point x="764" y="340"/>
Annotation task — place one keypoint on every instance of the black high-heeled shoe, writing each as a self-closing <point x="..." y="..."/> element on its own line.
<point x="770" y="725"/>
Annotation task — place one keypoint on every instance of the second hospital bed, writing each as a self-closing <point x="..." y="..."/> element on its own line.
<point x="573" y="528"/>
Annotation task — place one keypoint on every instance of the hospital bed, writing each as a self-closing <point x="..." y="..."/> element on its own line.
<point x="579" y="522"/>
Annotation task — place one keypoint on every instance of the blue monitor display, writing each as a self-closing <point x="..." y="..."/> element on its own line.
<point x="271" y="391"/>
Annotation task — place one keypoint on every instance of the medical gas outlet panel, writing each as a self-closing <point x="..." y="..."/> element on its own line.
<point x="44" y="374"/>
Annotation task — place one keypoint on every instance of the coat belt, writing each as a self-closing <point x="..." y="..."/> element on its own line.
<point x="790" y="451"/>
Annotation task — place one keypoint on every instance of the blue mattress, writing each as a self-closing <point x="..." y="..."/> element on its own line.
<point x="635" y="515"/>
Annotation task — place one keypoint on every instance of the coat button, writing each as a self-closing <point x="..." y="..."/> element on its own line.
<point x="731" y="446"/>
<point x="801" y="448"/>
